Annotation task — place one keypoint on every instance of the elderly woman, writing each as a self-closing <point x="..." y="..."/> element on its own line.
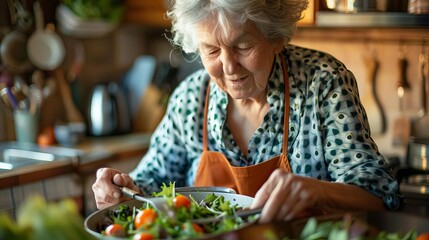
<point x="268" y="119"/>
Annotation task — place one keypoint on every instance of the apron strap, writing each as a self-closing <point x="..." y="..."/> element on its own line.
<point x="287" y="106"/>
<point x="206" y="121"/>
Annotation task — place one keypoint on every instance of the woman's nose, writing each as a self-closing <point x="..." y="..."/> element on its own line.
<point x="229" y="63"/>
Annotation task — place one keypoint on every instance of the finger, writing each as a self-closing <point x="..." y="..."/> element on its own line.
<point x="105" y="192"/>
<point x="106" y="180"/>
<point x="123" y="179"/>
<point x="129" y="182"/>
<point x="100" y="172"/>
<point x="290" y="203"/>
<point x="117" y="180"/>
<point x="261" y="197"/>
<point x="265" y="191"/>
<point x="101" y="198"/>
<point x="277" y="198"/>
<point x="305" y="202"/>
<point x="269" y="212"/>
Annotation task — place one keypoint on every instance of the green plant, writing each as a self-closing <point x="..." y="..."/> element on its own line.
<point x="40" y="220"/>
<point x="110" y="10"/>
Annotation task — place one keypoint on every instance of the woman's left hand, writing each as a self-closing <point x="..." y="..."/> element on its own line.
<point x="285" y="196"/>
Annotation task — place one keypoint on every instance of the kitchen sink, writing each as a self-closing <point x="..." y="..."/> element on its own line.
<point x="14" y="155"/>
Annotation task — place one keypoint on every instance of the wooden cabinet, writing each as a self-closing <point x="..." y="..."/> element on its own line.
<point x="152" y="13"/>
<point x="309" y="15"/>
<point x="394" y="15"/>
<point x="146" y="13"/>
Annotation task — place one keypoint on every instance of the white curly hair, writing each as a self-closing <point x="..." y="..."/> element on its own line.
<point x="273" y="18"/>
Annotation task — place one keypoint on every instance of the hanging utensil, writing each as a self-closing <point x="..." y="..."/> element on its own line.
<point x="371" y="101"/>
<point x="8" y="97"/>
<point x="401" y="125"/>
<point x="12" y="11"/>
<point x="74" y="59"/>
<point x="20" y="85"/>
<point x="72" y="113"/>
<point x="420" y="128"/>
<point x="5" y="90"/>
<point x="24" y="20"/>
<point x="49" y="88"/>
<point x="13" y="51"/>
<point x="36" y="98"/>
<point x="45" y="48"/>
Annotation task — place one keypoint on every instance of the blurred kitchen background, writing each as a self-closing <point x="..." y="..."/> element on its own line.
<point x="125" y="60"/>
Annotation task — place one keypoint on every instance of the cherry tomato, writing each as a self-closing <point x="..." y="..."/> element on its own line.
<point x="145" y="217"/>
<point x="197" y="228"/>
<point x="423" y="236"/>
<point x="143" y="236"/>
<point x="115" y="230"/>
<point x="181" y="201"/>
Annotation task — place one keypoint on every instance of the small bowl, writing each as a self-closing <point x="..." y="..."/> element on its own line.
<point x="69" y="134"/>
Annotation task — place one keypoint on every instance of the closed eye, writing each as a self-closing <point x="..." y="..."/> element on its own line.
<point x="242" y="48"/>
<point x="212" y="51"/>
<point x="207" y="49"/>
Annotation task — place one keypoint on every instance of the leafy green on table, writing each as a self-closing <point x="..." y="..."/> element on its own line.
<point x="38" y="219"/>
<point x="346" y="229"/>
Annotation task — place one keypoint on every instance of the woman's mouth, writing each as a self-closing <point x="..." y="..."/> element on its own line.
<point x="239" y="80"/>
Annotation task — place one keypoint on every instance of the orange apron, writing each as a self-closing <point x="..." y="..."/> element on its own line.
<point x="215" y="170"/>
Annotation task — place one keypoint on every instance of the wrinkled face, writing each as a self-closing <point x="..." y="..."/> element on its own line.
<point x="240" y="63"/>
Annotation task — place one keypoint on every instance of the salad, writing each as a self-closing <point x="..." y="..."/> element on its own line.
<point x="147" y="223"/>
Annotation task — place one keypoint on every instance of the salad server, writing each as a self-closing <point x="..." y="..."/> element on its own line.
<point x="159" y="203"/>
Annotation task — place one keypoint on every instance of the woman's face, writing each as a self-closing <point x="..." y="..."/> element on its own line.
<point x="240" y="62"/>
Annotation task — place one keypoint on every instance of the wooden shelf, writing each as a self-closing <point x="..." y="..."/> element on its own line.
<point x="146" y="13"/>
<point x="152" y="14"/>
<point x="371" y="20"/>
<point x="391" y="35"/>
<point x="147" y="18"/>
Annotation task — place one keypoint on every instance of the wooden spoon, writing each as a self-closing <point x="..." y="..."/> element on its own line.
<point x="72" y="113"/>
<point x="402" y="125"/>
<point x="376" y="117"/>
<point x="420" y="128"/>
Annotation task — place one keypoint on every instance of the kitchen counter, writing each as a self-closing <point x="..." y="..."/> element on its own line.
<point x="91" y="154"/>
<point x="96" y="152"/>
<point x="35" y="172"/>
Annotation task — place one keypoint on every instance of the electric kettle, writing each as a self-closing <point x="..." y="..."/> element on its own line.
<point x="108" y="112"/>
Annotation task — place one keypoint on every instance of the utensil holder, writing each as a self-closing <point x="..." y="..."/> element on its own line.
<point x="26" y="126"/>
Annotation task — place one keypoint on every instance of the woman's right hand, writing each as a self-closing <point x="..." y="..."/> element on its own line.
<point x="105" y="192"/>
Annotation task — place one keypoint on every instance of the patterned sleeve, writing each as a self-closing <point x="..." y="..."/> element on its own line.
<point x="351" y="154"/>
<point x="165" y="160"/>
